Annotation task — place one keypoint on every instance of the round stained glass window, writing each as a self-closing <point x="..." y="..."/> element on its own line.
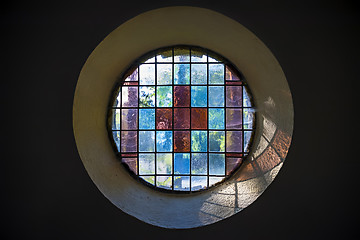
<point x="181" y="119"/>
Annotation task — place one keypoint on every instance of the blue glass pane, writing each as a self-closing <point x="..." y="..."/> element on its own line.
<point x="164" y="141"/>
<point x="115" y="121"/>
<point x="198" y="96"/>
<point x="216" y="96"/>
<point x="216" y="164"/>
<point x="216" y="73"/>
<point x="164" y="96"/>
<point x="216" y="118"/>
<point x="214" y="180"/>
<point x="248" y="118"/>
<point x="146" y="163"/>
<point x="182" y="183"/>
<point x="199" y="163"/>
<point x="246" y="98"/>
<point x="216" y="141"/>
<point x="198" y="73"/>
<point x="199" y="141"/>
<point x="247" y="136"/>
<point x="181" y="74"/>
<point x="198" y="183"/>
<point x="182" y="163"/>
<point x="146" y="141"/>
<point x="116" y="136"/>
<point x="147" y="119"/>
<point x="164" y="163"/>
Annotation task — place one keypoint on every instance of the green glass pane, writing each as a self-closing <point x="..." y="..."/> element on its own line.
<point x="216" y="118"/>
<point x="163" y="163"/>
<point x="216" y="141"/>
<point x="164" y="74"/>
<point x="115" y="120"/>
<point x="198" y="141"/>
<point x="149" y="179"/>
<point x="164" y="96"/>
<point x="147" y="97"/>
<point x="164" y="182"/>
<point x="216" y="73"/>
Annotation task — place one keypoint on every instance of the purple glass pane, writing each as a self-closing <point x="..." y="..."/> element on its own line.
<point x="129" y="96"/>
<point x="233" y="96"/>
<point x="131" y="163"/>
<point x="233" y="118"/>
<point x="234" y="141"/>
<point x="232" y="164"/>
<point x="133" y="76"/>
<point x="128" y="141"/>
<point x="181" y="96"/>
<point x="181" y="118"/>
<point x="129" y="119"/>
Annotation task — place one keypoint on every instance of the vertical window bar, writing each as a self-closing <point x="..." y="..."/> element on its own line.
<point x="208" y="118"/>
<point x="190" y="128"/>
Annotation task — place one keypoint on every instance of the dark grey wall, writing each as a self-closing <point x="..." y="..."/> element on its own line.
<point x="45" y="190"/>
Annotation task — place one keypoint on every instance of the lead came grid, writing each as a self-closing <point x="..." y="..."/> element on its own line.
<point x="183" y="120"/>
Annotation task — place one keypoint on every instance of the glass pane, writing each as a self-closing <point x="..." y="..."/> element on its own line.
<point x="164" y="163"/>
<point x="216" y="141"/>
<point x="164" y="141"/>
<point x="216" y="96"/>
<point x="247" y="137"/>
<point x="233" y="96"/>
<point x="198" y="55"/>
<point x="133" y="76"/>
<point x="147" y="97"/>
<point x="216" y="164"/>
<point x="164" y="182"/>
<point x="164" y="74"/>
<point x="213" y="58"/>
<point x="116" y="136"/>
<point x="146" y="118"/>
<point x="199" y="118"/>
<point x="129" y="119"/>
<point x="146" y="163"/>
<point x="199" y="163"/>
<point x="248" y="118"/>
<point x="181" y="74"/>
<point x="181" y="54"/>
<point x="232" y="164"/>
<point x="198" y="96"/>
<point x="146" y="141"/>
<point x="182" y="183"/>
<point x="181" y="118"/>
<point x="198" y="183"/>
<point x="149" y="179"/>
<point x="181" y="141"/>
<point x="216" y="73"/>
<point x="129" y="96"/>
<point x="164" y="96"/>
<point x="117" y="102"/>
<point x="216" y="118"/>
<point x="128" y="141"/>
<point x="230" y="75"/>
<point x="199" y="141"/>
<point x="164" y="118"/>
<point x="214" y="180"/>
<point x="131" y="163"/>
<point x="182" y="163"/>
<point x="198" y="73"/>
<point x="147" y="74"/>
<point x="115" y="121"/>
<point x="181" y="96"/>
<point x="164" y="56"/>
<point x="233" y="141"/>
<point x="246" y="98"/>
<point x="233" y="118"/>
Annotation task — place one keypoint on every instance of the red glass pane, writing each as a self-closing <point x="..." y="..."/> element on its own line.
<point x="199" y="118"/>
<point x="129" y="154"/>
<point x="234" y="155"/>
<point x="232" y="164"/>
<point x="130" y="83"/>
<point x="181" y="96"/>
<point x="182" y="141"/>
<point x="131" y="163"/>
<point x="181" y="118"/>
<point x="233" y="83"/>
<point x="164" y="118"/>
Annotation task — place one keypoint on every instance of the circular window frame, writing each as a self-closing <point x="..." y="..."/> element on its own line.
<point x="136" y="64"/>
<point x="271" y="93"/>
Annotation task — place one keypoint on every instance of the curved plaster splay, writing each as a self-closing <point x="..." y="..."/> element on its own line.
<point x="208" y="29"/>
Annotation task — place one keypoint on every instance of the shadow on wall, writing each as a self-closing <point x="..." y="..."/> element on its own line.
<point x="256" y="173"/>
